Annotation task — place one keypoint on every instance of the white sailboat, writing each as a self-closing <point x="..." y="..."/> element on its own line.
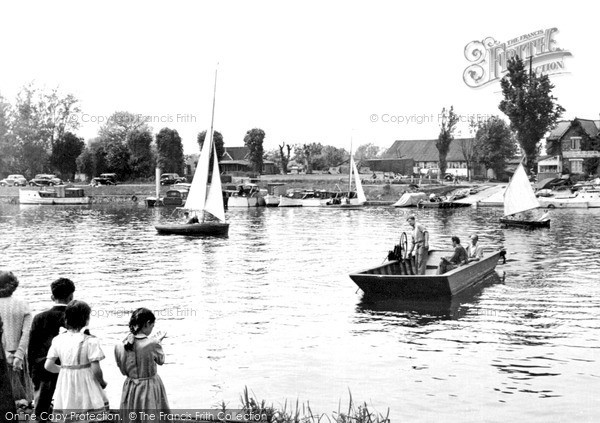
<point x="518" y="198"/>
<point x="203" y="198"/>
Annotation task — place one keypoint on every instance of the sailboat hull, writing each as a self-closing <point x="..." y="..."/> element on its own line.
<point x="532" y="224"/>
<point x="204" y="228"/>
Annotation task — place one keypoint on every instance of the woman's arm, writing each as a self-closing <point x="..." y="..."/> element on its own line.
<point x="51" y="366"/>
<point x="97" y="371"/>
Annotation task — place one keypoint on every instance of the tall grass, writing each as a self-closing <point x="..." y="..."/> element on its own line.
<point x="302" y="413"/>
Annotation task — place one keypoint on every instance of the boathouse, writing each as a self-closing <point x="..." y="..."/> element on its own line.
<point x="426" y="157"/>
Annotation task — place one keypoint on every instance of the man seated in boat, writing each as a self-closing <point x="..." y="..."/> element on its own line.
<point x="545" y="216"/>
<point x="458" y="258"/>
<point x="188" y="220"/>
<point x="420" y="241"/>
<point x="474" y="249"/>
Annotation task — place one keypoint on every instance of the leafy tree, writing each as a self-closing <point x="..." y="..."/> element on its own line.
<point x="254" y="141"/>
<point x="274" y="156"/>
<point x="37" y="121"/>
<point x="141" y="161"/>
<point x="217" y="139"/>
<point x="284" y="157"/>
<point x="307" y="154"/>
<point x="85" y="163"/>
<point x="529" y="104"/>
<point x="117" y="158"/>
<point x="122" y="124"/>
<point x="366" y="151"/>
<point x="65" y="151"/>
<point x="447" y="127"/>
<point x="333" y="156"/>
<point x="169" y="151"/>
<point x="495" y="144"/>
<point x="7" y="145"/>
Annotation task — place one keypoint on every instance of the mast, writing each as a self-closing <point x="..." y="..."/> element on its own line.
<point x="210" y="136"/>
<point x="350" y="173"/>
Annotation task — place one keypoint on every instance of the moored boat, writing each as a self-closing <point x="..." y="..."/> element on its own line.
<point x="410" y="199"/>
<point x="57" y="195"/>
<point x="584" y="199"/>
<point x="391" y="278"/>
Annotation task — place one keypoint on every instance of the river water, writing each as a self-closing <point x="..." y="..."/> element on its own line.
<point x="272" y="307"/>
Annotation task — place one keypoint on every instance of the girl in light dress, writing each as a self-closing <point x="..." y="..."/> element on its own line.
<point x="80" y="385"/>
<point x="137" y="358"/>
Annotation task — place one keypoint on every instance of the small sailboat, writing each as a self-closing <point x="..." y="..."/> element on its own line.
<point x="352" y="199"/>
<point x="518" y="198"/>
<point x="204" y="201"/>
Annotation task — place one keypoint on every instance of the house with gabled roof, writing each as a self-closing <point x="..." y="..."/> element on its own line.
<point x="235" y="161"/>
<point x="426" y="156"/>
<point x="570" y="145"/>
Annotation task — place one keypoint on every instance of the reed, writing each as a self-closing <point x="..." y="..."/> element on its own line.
<point x="302" y="412"/>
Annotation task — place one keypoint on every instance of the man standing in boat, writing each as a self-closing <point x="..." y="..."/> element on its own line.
<point x="420" y="241"/>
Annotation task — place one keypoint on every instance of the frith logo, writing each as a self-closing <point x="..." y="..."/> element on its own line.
<point x="489" y="57"/>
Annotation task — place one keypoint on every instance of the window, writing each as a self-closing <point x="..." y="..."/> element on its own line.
<point x="576" y="166"/>
<point x="575" y="143"/>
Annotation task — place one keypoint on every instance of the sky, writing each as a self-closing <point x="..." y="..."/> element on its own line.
<point x="338" y="73"/>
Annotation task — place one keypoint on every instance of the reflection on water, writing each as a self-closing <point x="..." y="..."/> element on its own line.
<point x="272" y="307"/>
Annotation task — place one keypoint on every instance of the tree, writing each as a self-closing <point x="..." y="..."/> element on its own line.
<point x="333" y="156"/>
<point x="120" y="125"/>
<point x="37" y="121"/>
<point x="217" y="139"/>
<point x="65" y="151"/>
<point x="447" y="127"/>
<point x="169" y="151"/>
<point x="117" y="159"/>
<point x="85" y="163"/>
<point x="285" y="157"/>
<point x="141" y="161"/>
<point x="307" y="153"/>
<point x="254" y="141"/>
<point x="366" y="151"/>
<point x="495" y="144"/>
<point x="7" y="145"/>
<point x="529" y="104"/>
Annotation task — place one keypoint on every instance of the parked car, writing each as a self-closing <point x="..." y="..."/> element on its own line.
<point x="171" y="178"/>
<point x="104" y="179"/>
<point x="44" y="179"/>
<point x="14" y="181"/>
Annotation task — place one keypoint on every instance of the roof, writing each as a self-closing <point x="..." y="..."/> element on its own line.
<point x="235" y="153"/>
<point x="424" y="150"/>
<point x="589" y="126"/>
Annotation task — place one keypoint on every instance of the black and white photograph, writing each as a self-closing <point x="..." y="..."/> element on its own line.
<point x="316" y="211"/>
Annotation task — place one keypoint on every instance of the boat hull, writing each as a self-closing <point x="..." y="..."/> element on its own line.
<point x="532" y="224"/>
<point x="34" y="198"/>
<point x="441" y="205"/>
<point x="387" y="280"/>
<point x="204" y="228"/>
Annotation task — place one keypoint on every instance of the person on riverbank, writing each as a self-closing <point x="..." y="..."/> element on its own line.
<point x="458" y="258"/>
<point x="474" y="249"/>
<point x="80" y="385"/>
<point x="17" y="324"/>
<point x="45" y="327"/>
<point x="7" y="402"/>
<point x="420" y="244"/>
<point x="137" y="358"/>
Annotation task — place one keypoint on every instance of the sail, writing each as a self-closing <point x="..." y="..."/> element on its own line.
<point x="197" y="196"/>
<point x="519" y="195"/>
<point x="214" y="199"/>
<point x="360" y="193"/>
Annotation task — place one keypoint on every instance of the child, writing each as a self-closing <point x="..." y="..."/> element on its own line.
<point x="137" y="358"/>
<point x="80" y="385"/>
